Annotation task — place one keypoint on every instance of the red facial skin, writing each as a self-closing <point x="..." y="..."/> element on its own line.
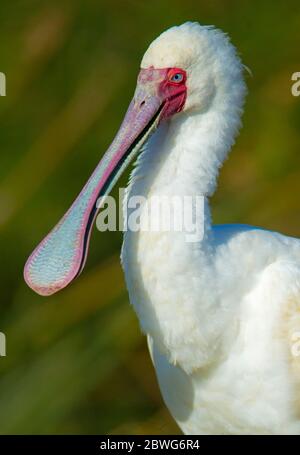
<point x="172" y="93"/>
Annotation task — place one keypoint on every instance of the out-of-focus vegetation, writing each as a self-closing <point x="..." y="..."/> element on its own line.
<point x="77" y="362"/>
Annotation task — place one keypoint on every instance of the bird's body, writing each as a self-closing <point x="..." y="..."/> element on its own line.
<point x="219" y="313"/>
<point x="222" y="344"/>
<point x="222" y="314"/>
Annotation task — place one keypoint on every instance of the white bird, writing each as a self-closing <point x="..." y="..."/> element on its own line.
<point x="222" y="315"/>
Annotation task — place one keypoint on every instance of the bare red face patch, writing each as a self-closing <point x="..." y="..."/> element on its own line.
<point x="171" y="84"/>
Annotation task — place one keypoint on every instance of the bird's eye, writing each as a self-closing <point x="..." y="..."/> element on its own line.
<point x="177" y="77"/>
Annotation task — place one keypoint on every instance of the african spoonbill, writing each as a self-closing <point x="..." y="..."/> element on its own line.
<point x="220" y="314"/>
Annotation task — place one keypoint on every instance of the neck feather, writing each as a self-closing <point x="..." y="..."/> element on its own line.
<point x="182" y="159"/>
<point x="184" y="156"/>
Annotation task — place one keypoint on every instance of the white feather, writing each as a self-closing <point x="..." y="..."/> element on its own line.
<point x="220" y="313"/>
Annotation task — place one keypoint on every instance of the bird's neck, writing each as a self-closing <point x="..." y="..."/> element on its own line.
<point x="168" y="273"/>
<point x="183" y="158"/>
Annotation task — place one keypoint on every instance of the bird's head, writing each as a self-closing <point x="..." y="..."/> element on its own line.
<point x="186" y="69"/>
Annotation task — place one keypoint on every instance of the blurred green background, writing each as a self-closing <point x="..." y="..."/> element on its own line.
<point x="77" y="362"/>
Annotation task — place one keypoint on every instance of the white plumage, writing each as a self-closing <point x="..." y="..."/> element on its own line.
<point x="221" y="314"/>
